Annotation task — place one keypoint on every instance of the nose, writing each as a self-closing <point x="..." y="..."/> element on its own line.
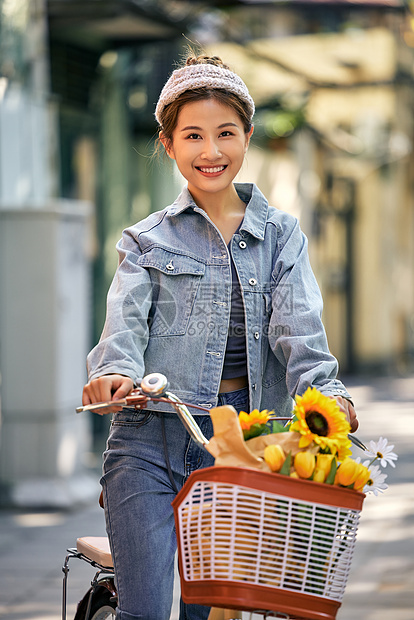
<point x="211" y="150"/>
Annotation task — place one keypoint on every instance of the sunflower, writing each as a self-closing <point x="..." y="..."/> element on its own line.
<point x="254" y="423"/>
<point x="319" y="419"/>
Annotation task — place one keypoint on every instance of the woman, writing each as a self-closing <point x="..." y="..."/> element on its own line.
<point x="216" y="292"/>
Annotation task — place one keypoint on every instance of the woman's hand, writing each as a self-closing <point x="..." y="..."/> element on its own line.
<point x="105" y="389"/>
<point x="350" y="412"/>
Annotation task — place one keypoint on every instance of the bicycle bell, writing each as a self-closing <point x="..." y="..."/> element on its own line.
<point x="154" y="384"/>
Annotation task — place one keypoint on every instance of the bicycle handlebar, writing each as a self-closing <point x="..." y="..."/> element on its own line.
<point x="154" y="386"/>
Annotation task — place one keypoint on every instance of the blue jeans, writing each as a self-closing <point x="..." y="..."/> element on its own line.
<point x="137" y="496"/>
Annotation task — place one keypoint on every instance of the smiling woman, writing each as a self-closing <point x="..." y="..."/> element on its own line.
<point x="205" y="115"/>
<point x="216" y="292"/>
<point x="208" y="145"/>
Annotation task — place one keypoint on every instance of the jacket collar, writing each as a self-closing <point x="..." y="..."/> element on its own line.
<point x="256" y="211"/>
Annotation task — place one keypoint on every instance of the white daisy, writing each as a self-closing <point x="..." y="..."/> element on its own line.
<point x="382" y="451"/>
<point x="376" y="482"/>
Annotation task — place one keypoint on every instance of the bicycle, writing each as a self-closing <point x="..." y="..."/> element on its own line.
<point x="222" y="570"/>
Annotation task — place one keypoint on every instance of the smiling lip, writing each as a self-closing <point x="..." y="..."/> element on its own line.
<point x="211" y="171"/>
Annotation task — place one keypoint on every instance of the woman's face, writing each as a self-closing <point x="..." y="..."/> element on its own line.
<point x="208" y="145"/>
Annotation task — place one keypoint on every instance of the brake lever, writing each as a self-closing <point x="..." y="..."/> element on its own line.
<point x="357" y="442"/>
<point x="128" y="401"/>
<point x="153" y="386"/>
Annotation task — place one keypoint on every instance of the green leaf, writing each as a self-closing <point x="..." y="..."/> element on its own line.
<point x="255" y="430"/>
<point x="278" y="427"/>
<point x="330" y="478"/>
<point x="285" y="469"/>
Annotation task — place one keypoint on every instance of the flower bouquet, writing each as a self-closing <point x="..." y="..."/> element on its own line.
<point x="319" y="449"/>
<point x="272" y="526"/>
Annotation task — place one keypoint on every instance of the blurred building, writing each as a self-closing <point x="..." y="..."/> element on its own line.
<point x="72" y="175"/>
<point x="333" y="144"/>
<point x="333" y="83"/>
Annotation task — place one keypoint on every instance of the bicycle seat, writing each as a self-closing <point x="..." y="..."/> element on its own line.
<point x="96" y="548"/>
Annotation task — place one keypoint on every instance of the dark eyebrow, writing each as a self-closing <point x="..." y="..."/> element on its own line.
<point x="194" y="127"/>
<point x="227" y="125"/>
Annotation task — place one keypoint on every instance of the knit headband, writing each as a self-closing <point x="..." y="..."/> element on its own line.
<point x="191" y="77"/>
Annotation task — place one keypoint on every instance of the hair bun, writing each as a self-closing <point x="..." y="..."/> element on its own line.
<point x="203" y="59"/>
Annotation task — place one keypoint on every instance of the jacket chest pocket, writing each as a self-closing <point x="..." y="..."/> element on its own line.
<point x="175" y="279"/>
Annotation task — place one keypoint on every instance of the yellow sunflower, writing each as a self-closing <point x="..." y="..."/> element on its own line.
<point x="253" y="423"/>
<point x="319" y="419"/>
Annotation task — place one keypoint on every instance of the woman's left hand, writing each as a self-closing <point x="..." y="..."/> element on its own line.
<point x="348" y="408"/>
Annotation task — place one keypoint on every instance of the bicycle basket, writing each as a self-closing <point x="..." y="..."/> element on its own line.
<point x="251" y="540"/>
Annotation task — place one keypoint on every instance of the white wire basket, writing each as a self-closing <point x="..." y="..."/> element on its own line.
<point x="251" y="540"/>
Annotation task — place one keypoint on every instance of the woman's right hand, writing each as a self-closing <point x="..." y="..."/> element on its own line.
<point x="105" y="389"/>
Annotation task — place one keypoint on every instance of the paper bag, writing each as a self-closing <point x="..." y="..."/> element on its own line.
<point x="231" y="450"/>
<point x="228" y="446"/>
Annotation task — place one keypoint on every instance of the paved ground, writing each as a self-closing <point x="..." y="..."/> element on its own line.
<point x="381" y="585"/>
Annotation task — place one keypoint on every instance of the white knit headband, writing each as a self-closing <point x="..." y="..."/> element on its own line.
<point x="191" y="77"/>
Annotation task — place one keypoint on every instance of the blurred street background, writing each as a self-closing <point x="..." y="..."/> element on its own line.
<point x="333" y="83"/>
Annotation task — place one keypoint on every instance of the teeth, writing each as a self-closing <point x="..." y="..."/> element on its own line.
<point x="212" y="170"/>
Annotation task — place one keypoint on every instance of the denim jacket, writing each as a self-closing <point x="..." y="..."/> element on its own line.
<point x="169" y="306"/>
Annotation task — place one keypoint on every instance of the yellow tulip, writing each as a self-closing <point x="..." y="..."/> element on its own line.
<point x="323" y="467"/>
<point x="294" y="474"/>
<point x="362" y="477"/>
<point x="347" y="472"/>
<point x="274" y="456"/>
<point x="319" y="475"/>
<point x="304" y="464"/>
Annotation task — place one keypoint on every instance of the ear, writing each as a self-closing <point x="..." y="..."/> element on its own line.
<point x="248" y="136"/>
<point x="168" y="145"/>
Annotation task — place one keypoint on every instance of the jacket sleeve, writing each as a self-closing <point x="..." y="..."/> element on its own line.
<point x="125" y="335"/>
<point x="301" y="346"/>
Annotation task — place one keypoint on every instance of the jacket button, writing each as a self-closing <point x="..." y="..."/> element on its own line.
<point x="242" y="245"/>
<point x="170" y="266"/>
<point x="256" y="335"/>
<point x="252" y="282"/>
